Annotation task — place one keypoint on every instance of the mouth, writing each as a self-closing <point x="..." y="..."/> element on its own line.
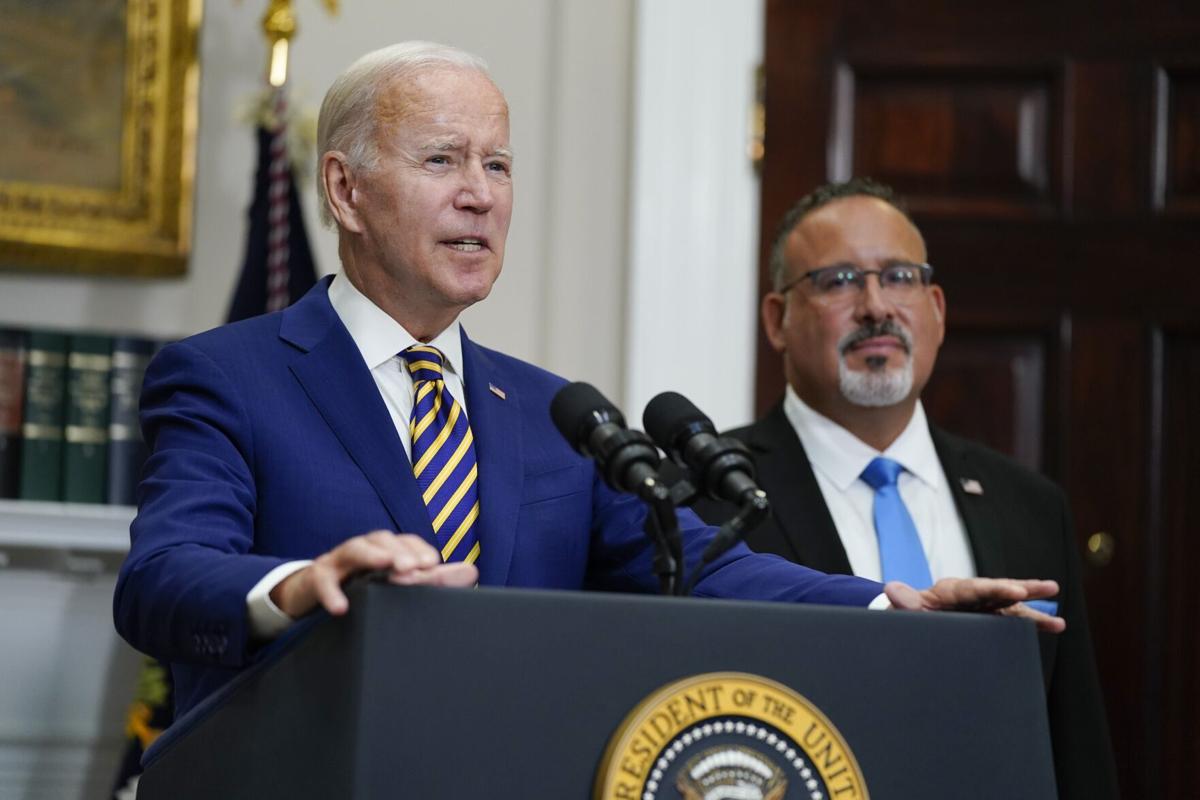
<point x="877" y="344"/>
<point x="467" y="244"/>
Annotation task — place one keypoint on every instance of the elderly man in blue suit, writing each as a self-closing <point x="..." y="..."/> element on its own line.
<point x="361" y="430"/>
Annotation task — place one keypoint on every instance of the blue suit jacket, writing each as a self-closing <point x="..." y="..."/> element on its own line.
<point x="270" y="442"/>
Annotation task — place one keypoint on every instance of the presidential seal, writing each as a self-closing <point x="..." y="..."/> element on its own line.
<point x="728" y="736"/>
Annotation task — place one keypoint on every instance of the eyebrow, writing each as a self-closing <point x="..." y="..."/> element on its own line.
<point x="442" y="145"/>
<point x="892" y="261"/>
<point x="452" y="144"/>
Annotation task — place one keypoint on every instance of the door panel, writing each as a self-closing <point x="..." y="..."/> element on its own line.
<point x="990" y="385"/>
<point x="965" y="140"/>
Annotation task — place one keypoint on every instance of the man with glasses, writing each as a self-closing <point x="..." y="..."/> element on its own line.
<point x="860" y="481"/>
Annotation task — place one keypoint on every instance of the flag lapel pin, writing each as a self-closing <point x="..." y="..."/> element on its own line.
<point x="496" y="390"/>
<point x="971" y="486"/>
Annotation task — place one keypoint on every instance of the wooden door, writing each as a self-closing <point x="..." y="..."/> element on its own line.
<point x="1050" y="152"/>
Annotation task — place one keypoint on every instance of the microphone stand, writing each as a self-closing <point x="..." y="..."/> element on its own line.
<point x="662" y="526"/>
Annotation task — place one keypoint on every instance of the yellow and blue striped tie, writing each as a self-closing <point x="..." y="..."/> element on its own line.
<point x="443" y="456"/>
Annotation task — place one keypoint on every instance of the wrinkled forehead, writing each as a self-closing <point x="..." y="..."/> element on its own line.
<point x="860" y="230"/>
<point x="440" y="91"/>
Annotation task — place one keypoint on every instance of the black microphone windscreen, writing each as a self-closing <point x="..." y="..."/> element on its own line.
<point x="670" y="414"/>
<point x="577" y="408"/>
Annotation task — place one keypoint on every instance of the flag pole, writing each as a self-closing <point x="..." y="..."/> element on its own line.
<point x="278" y="265"/>
<point x="279" y="24"/>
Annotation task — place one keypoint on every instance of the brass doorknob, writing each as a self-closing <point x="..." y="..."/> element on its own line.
<point x="1100" y="549"/>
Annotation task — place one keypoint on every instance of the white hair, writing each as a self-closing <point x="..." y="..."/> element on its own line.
<point x="347" y="120"/>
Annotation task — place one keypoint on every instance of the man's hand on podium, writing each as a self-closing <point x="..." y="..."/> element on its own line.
<point x="994" y="595"/>
<point x="408" y="559"/>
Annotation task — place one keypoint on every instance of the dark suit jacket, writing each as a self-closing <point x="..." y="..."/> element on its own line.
<point x="270" y="442"/>
<point x="1020" y="527"/>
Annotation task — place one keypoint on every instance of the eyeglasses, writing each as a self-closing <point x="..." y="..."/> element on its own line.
<point x="845" y="280"/>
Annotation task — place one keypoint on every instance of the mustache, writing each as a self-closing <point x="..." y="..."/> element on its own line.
<point x="871" y="330"/>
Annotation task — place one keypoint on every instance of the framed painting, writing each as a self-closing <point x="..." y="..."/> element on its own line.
<point x="97" y="135"/>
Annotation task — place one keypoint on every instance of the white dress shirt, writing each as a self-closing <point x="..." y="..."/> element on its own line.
<point x="838" y="458"/>
<point x="380" y="339"/>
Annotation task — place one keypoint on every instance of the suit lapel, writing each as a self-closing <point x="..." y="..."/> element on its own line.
<point x="980" y="517"/>
<point x="798" y="507"/>
<point x="496" y="425"/>
<point x="339" y="384"/>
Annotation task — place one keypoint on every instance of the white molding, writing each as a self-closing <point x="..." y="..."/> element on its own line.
<point x="67" y="526"/>
<point x="586" y="214"/>
<point x="72" y="678"/>
<point x="693" y="293"/>
<point x="59" y="769"/>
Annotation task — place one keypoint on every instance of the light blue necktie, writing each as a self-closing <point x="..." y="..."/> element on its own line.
<point x="900" y="554"/>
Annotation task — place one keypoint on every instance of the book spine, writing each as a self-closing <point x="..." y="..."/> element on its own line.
<point x="126" y="449"/>
<point x="42" y="429"/>
<point x="85" y="455"/>
<point x="12" y="398"/>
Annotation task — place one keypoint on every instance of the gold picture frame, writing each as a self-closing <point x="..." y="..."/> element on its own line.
<point x="97" y="135"/>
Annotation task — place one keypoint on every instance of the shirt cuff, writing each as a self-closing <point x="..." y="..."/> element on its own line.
<point x="266" y="620"/>
<point x="880" y="603"/>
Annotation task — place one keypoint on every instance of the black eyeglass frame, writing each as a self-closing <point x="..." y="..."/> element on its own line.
<point x="924" y="270"/>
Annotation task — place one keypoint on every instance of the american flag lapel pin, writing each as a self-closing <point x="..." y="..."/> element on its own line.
<point x="971" y="486"/>
<point x="496" y="390"/>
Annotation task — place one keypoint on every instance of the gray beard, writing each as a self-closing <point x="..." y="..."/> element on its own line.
<point x="875" y="388"/>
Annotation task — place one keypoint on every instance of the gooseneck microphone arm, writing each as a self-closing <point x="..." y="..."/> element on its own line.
<point x="754" y="509"/>
<point x="628" y="462"/>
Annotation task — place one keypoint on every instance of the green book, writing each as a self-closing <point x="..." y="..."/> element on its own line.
<point x="85" y="454"/>
<point x="45" y="406"/>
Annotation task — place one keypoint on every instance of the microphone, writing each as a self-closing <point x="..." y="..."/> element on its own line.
<point x="720" y="466"/>
<point x="627" y="459"/>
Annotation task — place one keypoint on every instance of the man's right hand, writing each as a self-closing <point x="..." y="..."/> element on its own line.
<point x="408" y="559"/>
<point x="995" y="595"/>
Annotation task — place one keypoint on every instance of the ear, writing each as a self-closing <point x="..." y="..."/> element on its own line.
<point x="773" y="310"/>
<point x="938" y="298"/>
<point x="339" y="181"/>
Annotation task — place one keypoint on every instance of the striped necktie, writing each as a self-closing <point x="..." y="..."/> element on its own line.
<point x="901" y="556"/>
<point x="443" y="456"/>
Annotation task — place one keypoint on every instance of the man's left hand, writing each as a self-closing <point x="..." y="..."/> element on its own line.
<point x="994" y="595"/>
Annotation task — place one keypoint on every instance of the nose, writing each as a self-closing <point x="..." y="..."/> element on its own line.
<point x="872" y="303"/>
<point x="475" y="195"/>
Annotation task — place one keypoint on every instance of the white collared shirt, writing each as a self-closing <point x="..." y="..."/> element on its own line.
<point x="379" y="339"/>
<point x="838" y="458"/>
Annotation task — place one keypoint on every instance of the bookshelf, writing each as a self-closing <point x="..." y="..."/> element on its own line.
<point x="65" y="526"/>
